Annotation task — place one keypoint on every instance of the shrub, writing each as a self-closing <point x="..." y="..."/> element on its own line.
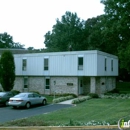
<point x="114" y="91"/>
<point x="60" y="99"/>
<point x="35" y="92"/>
<point x="93" y="95"/>
<point x="90" y="123"/>
<point x="117" y="96"/>
<point x="15" y="92"/>
<point x="69" y="94"/>
<point x="81" y="99"/>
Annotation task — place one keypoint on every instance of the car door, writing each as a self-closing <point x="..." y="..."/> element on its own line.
<point x="31" y="98"/>
<point x="8" y="95"/>
<point x="37" y="98"/>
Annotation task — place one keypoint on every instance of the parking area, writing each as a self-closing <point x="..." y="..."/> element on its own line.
<point x="8" y="113"/>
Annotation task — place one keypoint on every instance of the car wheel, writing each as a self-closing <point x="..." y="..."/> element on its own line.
<point x="14" y="107"/>
<point x="44" y="102"/>
<point x="28" y="105"/>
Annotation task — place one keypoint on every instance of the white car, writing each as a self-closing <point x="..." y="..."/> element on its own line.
<point x="27" y="99"/>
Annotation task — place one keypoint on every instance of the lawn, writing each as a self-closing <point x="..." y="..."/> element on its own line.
<point x="123" y="87"/>
<point x="109" y="110"/>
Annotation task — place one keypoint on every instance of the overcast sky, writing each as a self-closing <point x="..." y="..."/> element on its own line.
<point x="29" y="20"/>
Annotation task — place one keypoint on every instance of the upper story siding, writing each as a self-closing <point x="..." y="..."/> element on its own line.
<point x="66" y="64"/>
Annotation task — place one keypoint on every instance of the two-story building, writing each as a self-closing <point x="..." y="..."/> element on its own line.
<point x="78" y="72"/>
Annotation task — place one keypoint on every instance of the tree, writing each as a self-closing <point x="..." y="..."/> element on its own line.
<point x="7" y="70"/>
<point x="118" y="14"/>
<point x="6" y="41"/>
<point x="66" y="32"/>
<point x="30" y="48"/>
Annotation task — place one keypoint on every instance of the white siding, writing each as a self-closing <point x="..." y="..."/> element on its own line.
<point x="66" y="64"/>
<point x="18" y="65"/>
<point x="90" y="66"/>
<point x="101" y="66"/>
<point x="35" y="65"/>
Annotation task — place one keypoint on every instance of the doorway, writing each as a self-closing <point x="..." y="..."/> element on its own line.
<point x="80" y="84"/>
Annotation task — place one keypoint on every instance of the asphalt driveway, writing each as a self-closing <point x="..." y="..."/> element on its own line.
<point x="8" y="113"/>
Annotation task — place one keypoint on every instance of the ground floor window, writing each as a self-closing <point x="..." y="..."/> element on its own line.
<point x="25" y="82"/>
<point x="47" y="83"/>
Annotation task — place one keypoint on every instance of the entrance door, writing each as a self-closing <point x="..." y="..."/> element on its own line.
<point x="80" y="86"/>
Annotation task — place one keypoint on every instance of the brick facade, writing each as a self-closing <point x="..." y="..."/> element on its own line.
<point x="61" y="85"/>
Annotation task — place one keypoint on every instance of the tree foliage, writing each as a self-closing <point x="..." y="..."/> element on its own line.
<point x="7" y="70"/>
<point x="66" y="32"/>
<point x="118" y="14"/>
<point x="6" y="41"/>
<point x="108" y="32"/>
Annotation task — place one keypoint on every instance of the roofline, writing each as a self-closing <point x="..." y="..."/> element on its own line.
<point x="68" y="53"/>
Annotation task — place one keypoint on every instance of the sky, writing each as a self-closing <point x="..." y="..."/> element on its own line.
<point x="27" y="21"/>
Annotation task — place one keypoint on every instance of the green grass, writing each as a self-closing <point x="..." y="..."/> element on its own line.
<point x="109" y="110"/>
<point x="123" y="87"/>
<point x="50" y="98"/>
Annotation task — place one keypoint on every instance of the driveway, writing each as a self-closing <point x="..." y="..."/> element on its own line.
<point x="8" y="113"/>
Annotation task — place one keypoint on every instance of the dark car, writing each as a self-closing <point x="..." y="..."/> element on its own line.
<point x="4" y="97"/>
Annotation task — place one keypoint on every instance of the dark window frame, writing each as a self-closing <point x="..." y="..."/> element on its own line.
<point x="105" y="64"/>
<point x="46" y="64"/>
<point x="80" y="63"/>
<point x="112" y="65"/>
<point x="24" y="64"/>
<point x="47" y="83"/>
<point x="25" y="82"/>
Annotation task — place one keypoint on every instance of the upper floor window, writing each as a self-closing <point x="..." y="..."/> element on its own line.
<point x="24" y="64"/>
<point x="105" y="64"/>
<point x="111" y="65"/>
<point x="80" y="63"/>
<point x="46" y="62"/>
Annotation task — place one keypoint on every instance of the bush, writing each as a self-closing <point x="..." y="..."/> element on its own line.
<point x="117" y="96"/>
<point x="81" y="99"/>
<point x="64" y="95"/>
<point x="60" y="99"/>
<point x="93" y="95"/>
<point x="114" y="91"/>
<point x="35" y="92"/>
<point x="90" y="123"/>
<point x="15" y="92"/>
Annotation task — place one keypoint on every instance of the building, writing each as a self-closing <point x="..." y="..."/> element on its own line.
<point x="78" y="72"/>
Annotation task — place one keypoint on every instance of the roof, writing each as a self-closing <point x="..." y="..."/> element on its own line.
<point x="14" y="50"/>
<point x="68" y="53"/>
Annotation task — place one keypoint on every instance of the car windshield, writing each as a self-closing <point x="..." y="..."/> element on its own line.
<point x="21" y="95"/>
<point x="2" y="94"/>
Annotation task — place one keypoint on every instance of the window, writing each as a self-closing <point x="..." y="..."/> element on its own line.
<point x="25" y="82"/>
<point x="111" y="65"/>
<point x="80" y="63"/>
<point x="47" y="83"/>
<point x="30" y="96"/>
<point x="105" y="64"/>
<point x="24" y="64"/>
<point x="46" y="64"/>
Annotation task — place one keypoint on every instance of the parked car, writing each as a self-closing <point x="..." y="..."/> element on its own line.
<point x="4" y="97"/>
<point x="27" y="100"/>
